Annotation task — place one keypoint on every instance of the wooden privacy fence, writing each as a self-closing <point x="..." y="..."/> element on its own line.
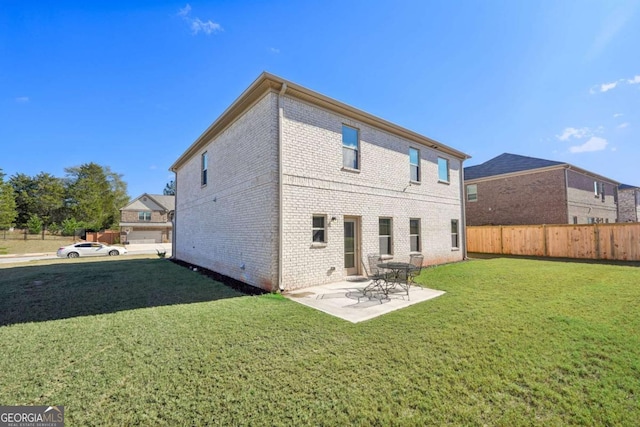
<point x="591" y="241"/>
<point x="108" y="236"/>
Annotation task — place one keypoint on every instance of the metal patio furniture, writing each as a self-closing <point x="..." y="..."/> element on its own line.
<point x="377" y="275"/>
<point x="416" y="260"/>
<point x="397" y="276"/>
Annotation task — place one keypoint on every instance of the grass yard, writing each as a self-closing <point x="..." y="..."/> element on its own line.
<point x="146" y="342"/>
<point x="34" y="244"/>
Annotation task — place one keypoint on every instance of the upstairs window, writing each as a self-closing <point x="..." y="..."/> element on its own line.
<point x="472" y="193"/>
<point x="144" y="216"/>
<point x="350" y="147"/>
<point x="319" y="234"/>
<point x="414" y="164"/>
<point x="385" y="237"/>
<point x="414" y="234"/>
<point x="443" y="170"/>
<point x="204" y="167"/>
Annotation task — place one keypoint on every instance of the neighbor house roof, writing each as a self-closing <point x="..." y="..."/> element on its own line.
<point x="507" y="163"/>
<point x="270" y="83"/>
<point x="166" y="202"/>
<point x="627" y="187"/>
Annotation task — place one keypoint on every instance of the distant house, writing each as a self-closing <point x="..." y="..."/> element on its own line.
<point x="147" y="219"/>
<point x="628" y="203"/>
<point x="289" y="188"/>
<point x="511" y="189"/>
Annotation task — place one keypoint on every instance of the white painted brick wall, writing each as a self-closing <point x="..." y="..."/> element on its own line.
<point x="314" y="183"/>
<point x="233" y="220"/>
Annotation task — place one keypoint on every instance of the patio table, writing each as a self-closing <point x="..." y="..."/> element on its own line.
<point x="398" y="275"/>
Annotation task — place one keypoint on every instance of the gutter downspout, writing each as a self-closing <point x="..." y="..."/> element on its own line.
<point x="566" y="194"/>
<point x="463" y="216"/>
<point x="175" y="216"/>
<point x="280" y="191"/>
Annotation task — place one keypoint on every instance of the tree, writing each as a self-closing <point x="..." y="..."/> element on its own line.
<point x="34" y="224"/>
<point x="49" y="195"/>
<point x="170" y="188"/>
<point x="96" y="195"/>
<point x="24" y="191"/>
<point x="8" y="212"/>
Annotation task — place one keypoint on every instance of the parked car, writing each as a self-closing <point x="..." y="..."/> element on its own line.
<point x="89" y="249"/>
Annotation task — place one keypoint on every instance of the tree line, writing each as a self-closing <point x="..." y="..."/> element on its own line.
<point x="88" y="196"/>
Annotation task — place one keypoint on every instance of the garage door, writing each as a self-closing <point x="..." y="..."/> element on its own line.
<point x="145" y="236"/>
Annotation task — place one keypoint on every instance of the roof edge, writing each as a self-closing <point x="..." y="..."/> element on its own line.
<point x="267" y="82"/>
<point x="544" y="169"/>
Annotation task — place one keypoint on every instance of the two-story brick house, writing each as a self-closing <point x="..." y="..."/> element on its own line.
<point x="628" y="203"/>
<point x="289" y="188"/>
<point x="511" y="190"/>
<point x="147" y="219"/>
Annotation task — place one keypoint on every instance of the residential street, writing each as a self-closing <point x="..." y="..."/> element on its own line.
<point x="137" y="249"/>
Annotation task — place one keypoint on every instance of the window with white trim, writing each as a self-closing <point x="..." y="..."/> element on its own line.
<point x="319" y="229"/>
<point x="472" y="193"/>
<point x="414" y="234"/>
<point x="204" y="165"/>
<point x="385" y="236"/>
<point x="443" y="169"/>
<point x="455" y="241"/>
<point x="350" y="147"/>
<point x="414" y="164"/>
<point x="144" y="216"/>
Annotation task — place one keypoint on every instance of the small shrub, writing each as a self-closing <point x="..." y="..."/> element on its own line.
<point x="54" y="229"/>
<point x="34" y="224"/>
<point x="161" y="254"/>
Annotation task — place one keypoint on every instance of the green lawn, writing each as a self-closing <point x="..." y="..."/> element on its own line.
<point x="146" y="342"/>
<point x="15" y="244"/>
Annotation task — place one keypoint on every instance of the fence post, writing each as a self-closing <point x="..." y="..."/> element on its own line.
<point x="501" y="242"/>
<point x="544" y="240"/>
<point x="596" y="236"/>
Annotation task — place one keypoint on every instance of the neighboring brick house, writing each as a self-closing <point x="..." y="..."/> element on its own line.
<point x="512" y="190"/>
<point x="147" y="219"/>
<point x="628" y="203"/>
<point x="289" y="188"/>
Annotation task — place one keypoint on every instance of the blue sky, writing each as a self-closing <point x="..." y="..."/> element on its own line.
<point x="131" y="84"/>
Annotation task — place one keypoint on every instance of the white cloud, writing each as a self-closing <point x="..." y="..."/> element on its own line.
<point x="618" y="115"/>
<point x="207" y="27"/>
<point x="605" y="87"/>
<point x="197" y="25"/>
<point x="153" y="167"/>
<point x="595" y="143"/>
<point x="22" y="99"/>
<point x="185" y="11"/>
<point x="274" y="50"/>
<point x="623" y="125"/>
<point x="614" y="149"/>
<point x="569" y="133"/>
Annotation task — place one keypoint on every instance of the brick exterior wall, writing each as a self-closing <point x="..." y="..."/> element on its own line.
<point x="314" y="182"/>
<point x="629" y="205"/>
<point x="231" y="224"/>
<point x="533" y="198"/>
<point x="582" y="202"/>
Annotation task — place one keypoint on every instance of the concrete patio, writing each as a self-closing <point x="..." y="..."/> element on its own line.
<point x="347" y="301"/>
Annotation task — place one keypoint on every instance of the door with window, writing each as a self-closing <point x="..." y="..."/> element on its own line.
<point x="351" y="246"/>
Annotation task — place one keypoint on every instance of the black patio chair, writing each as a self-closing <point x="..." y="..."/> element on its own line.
<point x="416" y="260"/>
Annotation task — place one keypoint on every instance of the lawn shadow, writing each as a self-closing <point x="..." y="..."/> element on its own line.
<point x="71" y="288"/>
